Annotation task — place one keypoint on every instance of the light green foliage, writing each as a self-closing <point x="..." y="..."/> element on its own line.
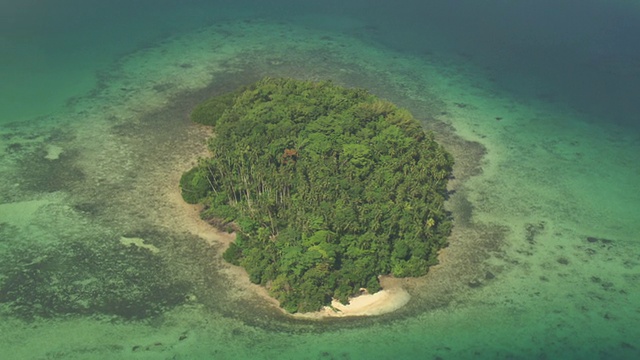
<point x="195" y="185"/>
<point x="209" y="111"/>
<point x="329" y="188"/>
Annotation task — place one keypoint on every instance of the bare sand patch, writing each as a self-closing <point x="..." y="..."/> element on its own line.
<point x="392" y="297"/>
<point x="22" y="213"/>
<point x="53" y="152"/>
<point x="139" y="243"/>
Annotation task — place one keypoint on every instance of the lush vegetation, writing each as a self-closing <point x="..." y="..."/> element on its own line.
<point x="326" y="187"/>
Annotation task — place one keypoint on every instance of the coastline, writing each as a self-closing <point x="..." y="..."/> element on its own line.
<point x="392" y="297"/>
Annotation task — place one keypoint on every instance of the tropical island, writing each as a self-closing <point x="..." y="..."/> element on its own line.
<point x="327" y="188"/>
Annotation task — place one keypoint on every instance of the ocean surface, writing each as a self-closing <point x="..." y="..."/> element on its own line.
<point x="539" y="101"/>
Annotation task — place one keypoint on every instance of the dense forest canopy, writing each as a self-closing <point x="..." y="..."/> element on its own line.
<point x="326" y="187"/>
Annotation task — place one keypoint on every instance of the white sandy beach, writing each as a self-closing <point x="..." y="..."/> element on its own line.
<point x="392" y="297"/>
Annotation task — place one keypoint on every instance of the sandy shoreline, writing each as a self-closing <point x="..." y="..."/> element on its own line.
<point x="187" y="216"/>
<point x="392" y="296"/>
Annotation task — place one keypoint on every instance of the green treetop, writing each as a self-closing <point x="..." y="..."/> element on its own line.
<point x="327" y="188"/>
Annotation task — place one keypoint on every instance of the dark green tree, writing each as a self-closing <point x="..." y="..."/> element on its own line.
<point x="327" y="187"/>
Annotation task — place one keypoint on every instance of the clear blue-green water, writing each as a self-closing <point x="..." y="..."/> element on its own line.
<point x="538" y="101"/>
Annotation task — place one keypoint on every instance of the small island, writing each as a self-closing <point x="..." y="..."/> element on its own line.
<point x="327" y="188"/>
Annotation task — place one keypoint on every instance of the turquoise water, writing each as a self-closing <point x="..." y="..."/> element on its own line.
<point x="100" y="258"/>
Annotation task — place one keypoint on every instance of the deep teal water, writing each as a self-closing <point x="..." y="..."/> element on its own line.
<point x="584" y="57"/>
<point x="582" y="54"/>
